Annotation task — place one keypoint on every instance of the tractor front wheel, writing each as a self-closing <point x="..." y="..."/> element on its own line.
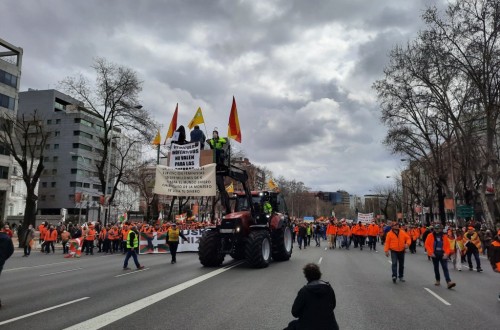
<point x="210" y="249"/>
<point x="258" y="249"/>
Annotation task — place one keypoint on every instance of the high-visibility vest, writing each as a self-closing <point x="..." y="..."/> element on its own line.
<point x="173" y="235"/>
<point x="136" y="240"/>
<point x="90" y="235"/>
<point x="217" y="145"/>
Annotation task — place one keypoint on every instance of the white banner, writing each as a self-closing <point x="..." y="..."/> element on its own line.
<point x="195" y="182"/>
<point x="184" y="157"/>
<point x="154" y="243"/>
<point x="365" y="217"/>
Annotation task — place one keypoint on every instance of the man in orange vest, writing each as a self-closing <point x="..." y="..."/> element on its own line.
<point x="438" y="248"/>
<point x="373" y="231"/>
<point x="89" y="240"/>
<point x="473" y="246"/>
<point x="331" y="230"/>
<point x="397" y="241"/>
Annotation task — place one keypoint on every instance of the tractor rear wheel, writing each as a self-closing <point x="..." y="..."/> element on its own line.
<point x="282" y="244"/>
<point x="210" y="249"/>
<point x="258" y="249"/>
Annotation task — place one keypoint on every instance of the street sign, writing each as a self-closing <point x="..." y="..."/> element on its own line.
<point x="465" y="211"/>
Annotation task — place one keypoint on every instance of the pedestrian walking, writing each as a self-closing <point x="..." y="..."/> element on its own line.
<point x="315" y="303"/>
<point x="438" y="248"/>
<point x="6" y="249"/>
<point x="494" y="255"/>
<point x="27" y="242"/>
<point x="132" y="245"/>
<point x="473" y="247"/>
<point x="173" y="235"/>
<point x="302" y="236"/>
<point x="396" y="242"/>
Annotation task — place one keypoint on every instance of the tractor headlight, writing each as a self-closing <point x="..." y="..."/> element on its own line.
<point x="237" y="229"/>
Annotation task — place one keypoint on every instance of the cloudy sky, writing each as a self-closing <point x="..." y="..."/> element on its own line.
<point x="301" y="70"/>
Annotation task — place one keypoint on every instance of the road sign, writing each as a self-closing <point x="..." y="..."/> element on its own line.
<point x="465" y="211"/>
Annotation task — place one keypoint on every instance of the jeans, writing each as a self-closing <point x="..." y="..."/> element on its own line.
<point x="172" y="246"/>
<point x="398" y="258"/>
<point x="131" y="253"/>
<point x="372" y="242"/>
<point x="444" y="264"/>
<point x="476" y="256"/>
<point x="27" y="249"/>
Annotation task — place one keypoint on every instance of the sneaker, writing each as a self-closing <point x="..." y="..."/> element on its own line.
<point x="401" y="279"/>
<point x="172" y="262"/>
<point x="394" y="278"/>
<point x="126" y="268"/>
<point x="437" y="283"/>
<point x="479" y="270"/>
<point x="140" y="267"/>
<point x="471" y="269"/>
<point x="451" y="285"/>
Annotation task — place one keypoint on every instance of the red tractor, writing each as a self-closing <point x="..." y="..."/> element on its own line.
<point x="257" y="230"/>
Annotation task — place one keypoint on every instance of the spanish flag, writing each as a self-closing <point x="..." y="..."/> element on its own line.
<point x="173" y="124"/>
<point x="197" y="119"/>
<point x="233" y="128"/>
<point x="230" y="188"/>
<point x="157" y="139"/>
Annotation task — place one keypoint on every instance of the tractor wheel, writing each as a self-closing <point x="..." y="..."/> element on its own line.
<point x="282" y="244"/>
<point x="258" y="249"/>
<point x="209" y="249"/>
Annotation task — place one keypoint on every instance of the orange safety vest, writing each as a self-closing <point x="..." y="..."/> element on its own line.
<point x="90" y="235"/>
<point x="395" y="242"/>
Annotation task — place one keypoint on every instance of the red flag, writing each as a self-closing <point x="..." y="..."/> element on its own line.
<point x="233" y="128"/>
<point x="173" y="124"/>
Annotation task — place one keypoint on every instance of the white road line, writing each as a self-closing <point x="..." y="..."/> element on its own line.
<point x="135" y="271"/>
<point x="127" y="310"/>
<point x="438" y="297"/>
<point x="320" y="259"/>
<point x="42" y="310"/>
<point x="326" y="249"/>
<point x="38" y="266"/>
<point x="63" y="271"/>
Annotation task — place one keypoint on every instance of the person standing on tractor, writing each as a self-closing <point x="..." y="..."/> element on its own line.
<point x="217" y="143"/>
<point x="197" y="135"/>
<point x="173" y="235"/>
<point x="267" y="207"/>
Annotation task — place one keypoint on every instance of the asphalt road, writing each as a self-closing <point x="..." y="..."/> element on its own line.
<point x="50" y="292"/>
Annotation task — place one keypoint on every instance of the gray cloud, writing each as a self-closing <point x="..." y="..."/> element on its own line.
<point x="301" y="71"/>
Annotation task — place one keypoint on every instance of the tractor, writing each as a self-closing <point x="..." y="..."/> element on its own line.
<point x="246" y="231"/>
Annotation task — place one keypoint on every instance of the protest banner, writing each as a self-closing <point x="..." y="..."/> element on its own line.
<point x="184" y="157"/>
<point x="156" y="243"/>
<point x="194" y="182"/>
<point x="365" y="217"/>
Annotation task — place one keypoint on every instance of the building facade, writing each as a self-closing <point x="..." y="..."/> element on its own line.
<point x="70" y="178"/>
<point x="10" y="76"/>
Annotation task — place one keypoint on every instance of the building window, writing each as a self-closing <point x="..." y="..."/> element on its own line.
<point x="53" y="184"/>
<point x="7" y="102"/>
<point x="85" y="160"/>
<point x="71" y="198"/>
<point x="57" y="133"/>
<point x="44" y="184"/>
<point x="84" y="134"/>
<point x="8" y="79"/>
<point x="56" y="146"/>
<point x="97" y="187"/>
<point x="49" y="121"/>
<point x="55" y="158"/>
<point x="83" y="122"/>
<point x="13" y="189"/>
<point x="75" y="184"/>
<point x="82" y="146"/>
<point x="86" y="185"/>
<point x="58" y="121"/>
<point x="54" y="171"/>
<point x="4" y="150"/>
<point x="4" y="172"/>
<point x="47" y="146"/>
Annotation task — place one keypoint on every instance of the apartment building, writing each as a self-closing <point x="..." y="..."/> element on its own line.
<point x="10" y="76"/>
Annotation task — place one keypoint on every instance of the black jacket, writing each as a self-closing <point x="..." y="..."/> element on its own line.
<point x="6" y="247"/>
<point x="314" y="306"/>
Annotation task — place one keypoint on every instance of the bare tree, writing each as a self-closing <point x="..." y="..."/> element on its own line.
<point x="24" y="137"/>
<point x="114" y="100"/>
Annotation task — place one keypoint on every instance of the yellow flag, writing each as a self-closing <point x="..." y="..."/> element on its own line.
<point x="230" y="188"/>
<point x="272" y="185"/>
<point x="157" y="139"/>
<point x="197" y="119"/>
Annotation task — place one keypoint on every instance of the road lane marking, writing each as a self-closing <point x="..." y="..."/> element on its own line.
<point x="319" y="262"/>
<point x="326" y="249"/>
<point x="42" y="310"/>
<point x="37" y="266"/>
<point x="63" y="271"/>
<point x="127" y="310"/>
<point x="437" y="297"/>
<point x="135" y="271"/>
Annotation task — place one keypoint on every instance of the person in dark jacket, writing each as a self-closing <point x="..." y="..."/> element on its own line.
<point x="314" y="303"/>
<point x="302" y="235"/>
<point x="197" y="135"/>
<point x="6" y="249"/>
